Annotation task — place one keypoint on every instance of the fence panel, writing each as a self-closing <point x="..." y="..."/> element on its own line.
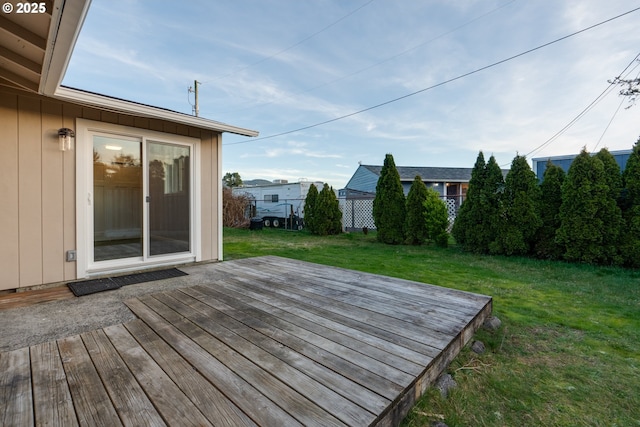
<point x="358" y="213"/>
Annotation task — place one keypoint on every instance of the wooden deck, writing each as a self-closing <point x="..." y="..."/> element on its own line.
<point x="261" y="341"/>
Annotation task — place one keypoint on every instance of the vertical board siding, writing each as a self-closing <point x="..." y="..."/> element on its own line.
<point x="206" y="202"/>
<point x="37" y="186"/>
<point x="30" y="190"/>
<point x="70" y="112"/>
<point x="52" y="194"/>
<point x="9" y="260"/>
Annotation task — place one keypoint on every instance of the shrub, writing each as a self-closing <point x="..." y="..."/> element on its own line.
<point x="630" y="241"/>
<point x="516" y="231"/>
<point x="309" y="208"/>
<point x="436" y="218"/>
<point x="611" y="213"/>
<point x="476" y="225"/>
<point x="416" y="227"/>
<point x="550" y="202"/>
<point x="389" y="208"/>
<point x="327" y="217"/>
<point x="588" y="227"/>
<point x="234" y="208"/>
<point x="469" y="216"/>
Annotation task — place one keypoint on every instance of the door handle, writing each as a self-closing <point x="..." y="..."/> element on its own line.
<point x="148" y="199"/>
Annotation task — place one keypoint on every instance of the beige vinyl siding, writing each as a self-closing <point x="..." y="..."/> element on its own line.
<point x="37" y="186"/>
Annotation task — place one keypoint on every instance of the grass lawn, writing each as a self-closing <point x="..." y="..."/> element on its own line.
<point x="568" y="353"/>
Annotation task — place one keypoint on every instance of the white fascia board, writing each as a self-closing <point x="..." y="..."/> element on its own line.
<point x="67" y="18"/>
<point x="140" y="110"/>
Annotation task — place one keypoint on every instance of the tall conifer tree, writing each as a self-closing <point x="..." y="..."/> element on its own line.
<point x="469" y="216"/>
<point x="492" y="213"/>
<point x="550" y="202"/>
<point x="416" y="227"/>
<point x="520" y="220"/>
<point x="630" y="246"/>
<point x="309" y="208"/>
<point x="389" y="208"/>
<point x="587" y="229"/>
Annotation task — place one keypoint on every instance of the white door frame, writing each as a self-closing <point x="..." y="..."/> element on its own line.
<point x="86" y="267"/>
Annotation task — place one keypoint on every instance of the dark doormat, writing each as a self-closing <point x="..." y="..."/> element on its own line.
<point x="148" y="276"/>
<point x="87" y="287"/>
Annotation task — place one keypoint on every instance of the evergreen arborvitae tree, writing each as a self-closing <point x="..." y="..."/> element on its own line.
<point x="520" y="219"/>
<point x="416" y="227"/>
<point x="611" y="213"/>
<point x="550" y="202"/>
<point x="327" y="214"/>
<point x="587" y="229"/>
<point x="630" y="242"/>
<point x="389" y="208"/>
<point x="469" y="216"/>
<point x="436" y="218"/>
<point x="309" y="208"/>
<point x="492" y="206"/>
<point x="612" y="173"/>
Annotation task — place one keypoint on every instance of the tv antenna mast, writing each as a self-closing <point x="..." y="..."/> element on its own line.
<point x="196" y="106"/>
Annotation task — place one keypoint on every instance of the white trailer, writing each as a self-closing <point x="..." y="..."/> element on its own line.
<point x="280" y="204"/>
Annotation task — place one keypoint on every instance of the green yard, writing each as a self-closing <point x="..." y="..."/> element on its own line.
<point x="568" y="353"/>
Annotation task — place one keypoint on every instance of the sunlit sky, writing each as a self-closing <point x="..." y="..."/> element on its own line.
<point x="278" y="66"/>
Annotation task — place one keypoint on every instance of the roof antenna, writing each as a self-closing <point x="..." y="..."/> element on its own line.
<point x="196" y="106"/>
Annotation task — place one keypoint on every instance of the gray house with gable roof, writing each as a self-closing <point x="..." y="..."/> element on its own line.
<point x="449" y="182"/>
<point x="357" y="197"/>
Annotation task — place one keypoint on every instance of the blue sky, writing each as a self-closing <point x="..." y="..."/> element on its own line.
<point x="280" y="65"/>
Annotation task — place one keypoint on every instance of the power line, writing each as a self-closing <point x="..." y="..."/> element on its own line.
<point x="459" y="77"/>
<point x="617" y="109"/>
<point x="608" y="124"/>
<point x="266" y="58"/>
<point x="584" y="111"/>
<point x="390" y="58"/>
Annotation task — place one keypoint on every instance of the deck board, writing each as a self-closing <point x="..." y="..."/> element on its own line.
<point x="51" y="395"/>
<point x="259" y="341"/>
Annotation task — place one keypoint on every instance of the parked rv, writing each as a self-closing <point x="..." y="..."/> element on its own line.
<point x="280" y="204"/>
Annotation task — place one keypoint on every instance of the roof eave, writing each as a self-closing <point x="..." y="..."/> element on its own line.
<point x="67" y="18"/>
<point x="141" y="110"/>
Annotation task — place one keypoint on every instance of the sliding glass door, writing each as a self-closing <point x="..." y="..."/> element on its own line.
<point x="169" y="198"/>
<point x="141" y="199"/>
<point x="117" y="198"/>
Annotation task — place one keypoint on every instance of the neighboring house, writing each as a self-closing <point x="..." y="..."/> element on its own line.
<point x="278" y="199"/>
<point x="539" y="164"/>
<point x="450" y="182"/>
<point x="357" y="196"/>
<point x="125" y="187"/>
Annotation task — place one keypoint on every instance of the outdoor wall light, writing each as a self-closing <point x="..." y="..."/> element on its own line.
<point x="64" y="138"/>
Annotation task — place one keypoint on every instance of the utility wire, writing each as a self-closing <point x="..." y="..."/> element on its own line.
<point x="584" y="111"/>
<point x="617" y="109"/>
<point x="608" y="124"/>
<point x="461" y="76"/>
<point x="388" y="59"/>
<point x="266" y="58"/>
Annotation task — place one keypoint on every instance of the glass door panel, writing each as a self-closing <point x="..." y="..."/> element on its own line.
<point x="169" y="198"/>
<point x="117" y="198"/>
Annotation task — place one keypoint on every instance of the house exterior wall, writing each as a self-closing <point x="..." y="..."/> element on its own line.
<point x="363" y="180"/>
<point x="539" y="165"/>
<point x="37" y="186"/>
